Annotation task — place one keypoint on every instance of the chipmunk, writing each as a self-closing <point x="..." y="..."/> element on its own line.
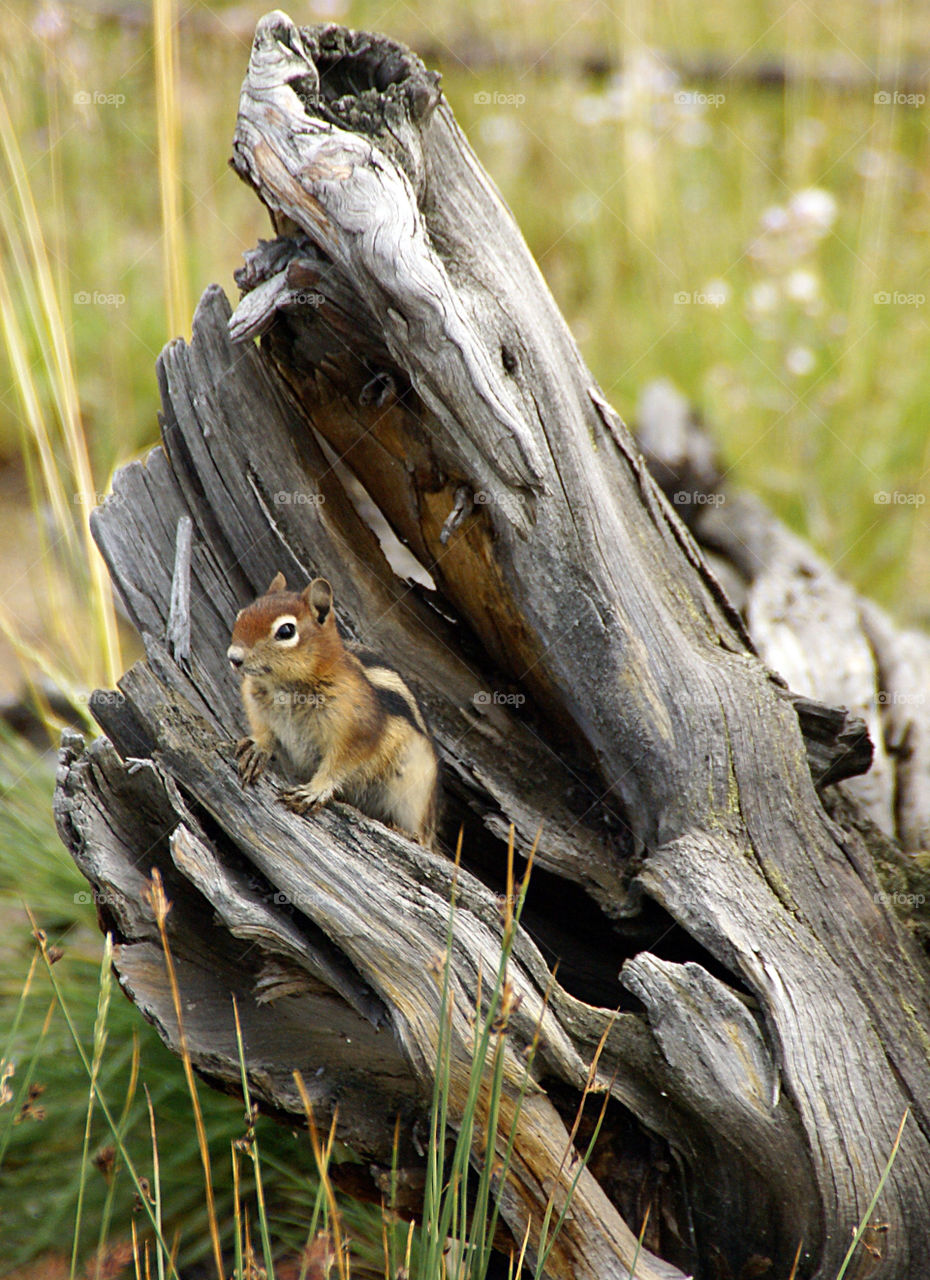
<point x="344" y="720"/>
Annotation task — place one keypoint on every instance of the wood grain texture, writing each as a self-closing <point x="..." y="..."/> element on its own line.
<point x="585" y="675"/>
<point x="623" y="626"/>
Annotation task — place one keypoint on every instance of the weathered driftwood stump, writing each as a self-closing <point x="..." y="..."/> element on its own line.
<point x="585" y="675"/>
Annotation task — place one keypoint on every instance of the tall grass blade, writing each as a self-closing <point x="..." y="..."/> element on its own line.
<point x="100" y="1040"/>
<point x="33" y="420"/>
<point x="6" y="1056"/>
<point x="237" y="1212"/>
<point x="25" y="1084"/>
<point x="793" y="1273"/>
<point x="52" y="335"/>
<point x="107" y="1214"/>
<point x="137" y="1182"/>
<point x="431" y="1256"/>
<point x="174" y="253"/>
<point x="639" y="1242"/>
<point x="161" y="907"/>
<point x="252" y="1147"/>
<point x="321" y="1155"/>
<point x="156" y="1184"/>
<point x="863" y="1225"/>
<point x="547" y="1242"/>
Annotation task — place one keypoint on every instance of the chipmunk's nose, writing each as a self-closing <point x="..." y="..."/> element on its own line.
<point x="235" y="655"/>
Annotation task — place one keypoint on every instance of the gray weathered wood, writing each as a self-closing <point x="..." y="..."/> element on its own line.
<point x="801" y="614"/>
<point x="771" y="1053"/>
<point x="178" y="630"/>
<point x="902" y="662"/>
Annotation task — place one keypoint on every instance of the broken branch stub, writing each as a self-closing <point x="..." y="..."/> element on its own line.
<point x="773" y="1012"/>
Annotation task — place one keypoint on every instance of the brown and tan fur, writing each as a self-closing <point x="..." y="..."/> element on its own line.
<point x="340" y="716"/>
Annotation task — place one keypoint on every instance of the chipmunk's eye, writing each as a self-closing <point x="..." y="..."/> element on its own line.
<point x="286" y="631"/>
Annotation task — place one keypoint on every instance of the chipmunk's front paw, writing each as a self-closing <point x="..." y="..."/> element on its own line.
<point x="251" y="760"/>
<point x="305" y="799"/>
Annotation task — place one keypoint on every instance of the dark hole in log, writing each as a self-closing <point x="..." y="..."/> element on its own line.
<point x="646" y="1178"/>
<point x="569" y="928"/>
<point x="367" y="67"/>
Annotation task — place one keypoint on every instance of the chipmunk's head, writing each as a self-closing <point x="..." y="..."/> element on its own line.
<point x="283" y="635"/>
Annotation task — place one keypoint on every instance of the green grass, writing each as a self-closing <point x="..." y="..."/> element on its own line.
<point x="42" y="1158"/>
<point x="628" y="198"/>
<point x="624" y="209"/>
<point x="618" y="251"/>
<point x="65" y="1029"/>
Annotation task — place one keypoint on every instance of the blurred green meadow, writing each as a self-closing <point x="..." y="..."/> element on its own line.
<point x="732" y="195"/>
<point x="763" y="244"/>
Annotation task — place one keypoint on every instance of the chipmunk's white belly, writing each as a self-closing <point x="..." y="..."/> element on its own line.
<point x="302" y="736"/>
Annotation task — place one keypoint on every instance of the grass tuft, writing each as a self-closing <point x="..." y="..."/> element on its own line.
<point x="160" y="907"/>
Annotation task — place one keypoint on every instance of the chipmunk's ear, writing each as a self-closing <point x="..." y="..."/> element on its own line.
<point x="278" y="583"/>
<point x="319" y="596"/>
